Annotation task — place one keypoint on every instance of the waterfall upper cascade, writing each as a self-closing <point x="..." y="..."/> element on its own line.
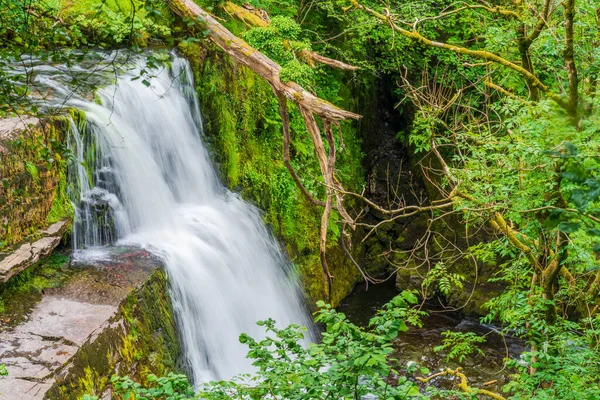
<point x="151" y="184"/>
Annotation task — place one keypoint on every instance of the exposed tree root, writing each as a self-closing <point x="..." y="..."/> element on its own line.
<point x="463" y="385"/>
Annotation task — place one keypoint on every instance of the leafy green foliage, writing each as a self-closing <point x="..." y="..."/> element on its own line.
<point x="281" y="40"/>
<point x="506" y="153"/>
<point x="171" y="387"/>
<point x="460" y="344"/>
<point x="565" y="367"/>
<point x="134" y="21"/>
<point x="348" y="362"/>
<point x="445" y="280"/>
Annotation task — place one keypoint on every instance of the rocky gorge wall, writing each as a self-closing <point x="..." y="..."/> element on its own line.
<point x="396" y="174"/>
<point x="33" y="182"/>
<point x="243" y="128"/>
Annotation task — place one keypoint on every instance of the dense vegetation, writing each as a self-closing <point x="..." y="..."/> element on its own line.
<point x="500" y="107"/>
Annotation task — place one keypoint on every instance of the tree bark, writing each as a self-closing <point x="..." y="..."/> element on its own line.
<point x="525" y="41"/>
<point x="245" y="54"/>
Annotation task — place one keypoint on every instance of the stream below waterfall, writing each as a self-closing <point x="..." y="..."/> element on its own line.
<point x="417" y="345"/>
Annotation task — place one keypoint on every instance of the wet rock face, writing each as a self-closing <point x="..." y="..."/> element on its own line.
<point x="111" y="316"/>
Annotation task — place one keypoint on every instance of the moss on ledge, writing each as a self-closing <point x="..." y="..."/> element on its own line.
<point x="22" y="292"/>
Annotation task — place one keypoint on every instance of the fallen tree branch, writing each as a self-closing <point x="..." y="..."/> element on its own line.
<point x="310" y="57"/>
<point x="463" y="385"/>
<point x="248" y="16"/>
<point x="283" y="112"/>
<point x="308" y="104"/>
<point x="246" y="55"/>
<point x="256" y="18"/>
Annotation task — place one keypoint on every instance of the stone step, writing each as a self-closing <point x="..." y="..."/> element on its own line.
<point x="30" y="253"/>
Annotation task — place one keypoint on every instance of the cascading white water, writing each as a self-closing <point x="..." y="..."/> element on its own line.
<point x="153" y="178"/>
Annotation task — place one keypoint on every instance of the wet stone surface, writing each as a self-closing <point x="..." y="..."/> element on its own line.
<point x="37" y="344"/>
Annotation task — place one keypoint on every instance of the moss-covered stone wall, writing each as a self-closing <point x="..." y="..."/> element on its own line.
<point x="243" y="128"/>
<point x="33" y="181"/>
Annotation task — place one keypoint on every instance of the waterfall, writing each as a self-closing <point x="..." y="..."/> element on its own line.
<point x="151" y="184"/>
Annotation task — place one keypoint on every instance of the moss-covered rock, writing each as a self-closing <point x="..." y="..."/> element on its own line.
<point x="140" y="339"/>
<point x="21" y="293"/>
<point x="243" y="128"/>
<point x="33" y="182"/>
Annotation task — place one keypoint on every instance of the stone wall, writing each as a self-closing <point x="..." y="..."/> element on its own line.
<point x="33" y="163"/>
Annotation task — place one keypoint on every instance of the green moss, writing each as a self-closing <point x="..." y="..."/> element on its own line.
<point x="61" y="208"/>
<point x="22" y="292"/>
<point x="243" y="126"/>
<point x="33" y="189"/>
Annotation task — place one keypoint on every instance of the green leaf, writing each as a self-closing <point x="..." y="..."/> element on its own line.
<point x="569" y="227"/>
<point x="409" y="297"/>
<point x="413" y="391"/>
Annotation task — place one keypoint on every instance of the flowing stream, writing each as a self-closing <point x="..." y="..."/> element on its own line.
<point x="144" y="178"/>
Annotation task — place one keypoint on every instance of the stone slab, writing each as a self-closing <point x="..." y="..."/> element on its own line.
<point x="38" y="350"/>
<point x="30" y="253"/>
<point x="56" y="229"/>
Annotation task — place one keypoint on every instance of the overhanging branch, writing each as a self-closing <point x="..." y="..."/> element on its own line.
<point x="245" y="54"/>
